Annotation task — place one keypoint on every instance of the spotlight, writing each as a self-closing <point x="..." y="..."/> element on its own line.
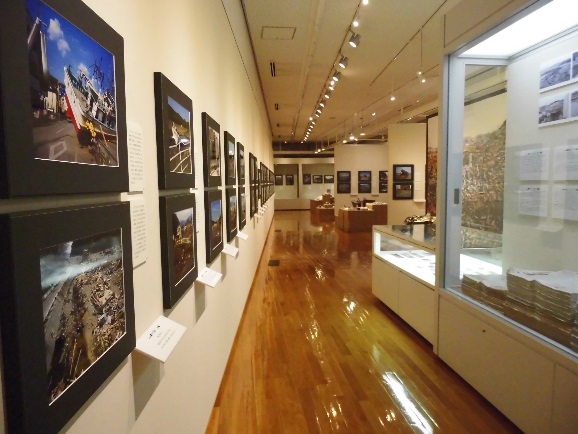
<point x="312" y="121"/>
<point x="317" y="114"/>
<point x="344" y="141"/>
<point x="392" y="97"/>
<point x="318" y="111"/>
<point x="355" y="21"/>
<point x="419" y="72"/>
<point x="321" y="103"/>
<point x="365" y="2"/>
<point x="336" y="75"/>
<point x="373" y="114"/>
<point x="351" y="137"/>
<point x="331" y="87"/>
<point x="362" y="134"/>
<point x="343" y="62"/>
<point x="354" y="40"/>
<point x="327" y="94"/>
<point x="310" y="118"/>
<point x="423" y="79"/>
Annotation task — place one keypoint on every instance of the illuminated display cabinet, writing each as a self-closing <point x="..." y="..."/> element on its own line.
<point x="508" y="272"/>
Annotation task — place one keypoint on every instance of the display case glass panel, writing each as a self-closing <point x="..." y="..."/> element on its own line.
<point x="511" y="197"/>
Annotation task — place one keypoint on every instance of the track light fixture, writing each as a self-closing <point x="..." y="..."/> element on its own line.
<point x="317" y="114"/>
<point x="355" y="22"/>
<point x="343" y="62"/>
<point x="365" y="2"/>
<point x="321" y="103"/>
<point x="327" y="94"/>
<point x="318" y="111"/>
<point x="392" y="97"/>
<point x="331" y="87"/>
<point x="354" y="40"/>
<point x="336" y="75"/>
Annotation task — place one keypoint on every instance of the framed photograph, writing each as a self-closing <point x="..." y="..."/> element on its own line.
<point x="62" y="101"/>
<point x="241" y="163"/>
<point x="211" y="151"/>
<point x="306" y="178"/>
<point x="328" y="179"/>
<point x="253" y="201"/>
<point x="67" y="311"/>
<point x="173" y="115"/>
<point x="213" y="224"/>
<point x="402" y="190"/>
<point x="317" y="179"/>
<point x="278" y="179"/>
<point x="232" y="211"/>
<point x="555" y="72"/>
<point x="289" y="180"/>
<point x="383" y="187"/>
<point x="364" y="176"/>
<point x="402" y="172"/>
<point x="343" y="187"/>
<point x="364" y="187"/>
<point x="242" y="208"/>
<point x="178" y="246"/>
<point x="383" y="176"/>
<point x="230" y="166"/>
<point x="343" y="176"/>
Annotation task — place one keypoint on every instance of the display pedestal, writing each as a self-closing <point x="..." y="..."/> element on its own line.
<point x="323" y="214"/>
<point x="355" y="220"/>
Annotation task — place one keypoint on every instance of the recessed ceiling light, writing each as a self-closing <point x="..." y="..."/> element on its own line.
<point x="392" y="98"/>
<point x="373" y="114"/>
<point x="362" y="134"/>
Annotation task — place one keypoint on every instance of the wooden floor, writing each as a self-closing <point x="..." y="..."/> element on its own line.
<point x="316" y="352"/>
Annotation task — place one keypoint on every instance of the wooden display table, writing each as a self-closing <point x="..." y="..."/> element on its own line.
<point x="380" y="212"/>
<point x="323" y="214"/>
<point x="355" y="220"/>
<point x="314" y="203"/>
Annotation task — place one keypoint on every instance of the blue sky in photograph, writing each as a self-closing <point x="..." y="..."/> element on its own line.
<point x="69" y="46"/>
<point x="215" y="210"/>
<point x="184" y="214"/>
<point x="183" y="112"/>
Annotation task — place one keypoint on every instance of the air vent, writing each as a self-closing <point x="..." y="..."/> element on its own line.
<point x="273" y="69"/>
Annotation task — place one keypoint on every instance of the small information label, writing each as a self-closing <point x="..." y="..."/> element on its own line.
<point x="160" y="339"/>
<point x="135" y="157"/>
<point x="209" y="277"/>
<point x="242" y="235"/>
<point x="230" y="250"/>
<point x="139" y="231"/>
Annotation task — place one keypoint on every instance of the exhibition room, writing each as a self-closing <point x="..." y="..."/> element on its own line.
<point x="288" y="217"/>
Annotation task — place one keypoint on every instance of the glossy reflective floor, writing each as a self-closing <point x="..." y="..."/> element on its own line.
<point x="316" y="352"/>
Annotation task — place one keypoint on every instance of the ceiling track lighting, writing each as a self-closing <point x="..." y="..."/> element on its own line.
<point x="327" y="94"/>
<point x="331" y="87"/>
<point x="343" y="62"/>
<point x="321" y="103"/>
<point x="336" y="76"/>
<point x="355" y="39"/>
<point x="365" y="2"/>
<point x="392" y="97"/>
<point x="355" y="22"/>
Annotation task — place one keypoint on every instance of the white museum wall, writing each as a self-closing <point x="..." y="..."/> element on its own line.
<point x="193" y="44"/>
<point x="407" y="145"/>
<point x="362" y="157"/>
<point x="524" y="235"/>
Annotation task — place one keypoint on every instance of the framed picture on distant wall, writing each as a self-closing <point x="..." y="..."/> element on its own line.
<point x="402" y="172"/>
<point x="364" y="187"/>
<point x="213" y="224"/>
<point x="178" y="246"/>
<point x="343" y="187"/>
<point x="328" y="179"/>
<point x="56" y="136"/>
<point x="343" y="176"/>
<point x="67" y="311"/>
<point x="278" y="179"/>
<point x="173" y="115"/>
<point x="364" y="176"/>
<point x="289" y="180"/>
<point x="230" y="166"/>
<point x="232" y="205"/>
<point x="383" y="187"/>
<point x="402" y="190"/>
<point x="211" y="151"/>
<point x="383" y="176"/>
<point x="306" y="178"/>
<point x="317" y="179"/>
<point x="242" y="208"/>
<point x="241" y="163"/>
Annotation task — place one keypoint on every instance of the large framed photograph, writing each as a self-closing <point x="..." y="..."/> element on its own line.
<point x="178" y="246"/>
<point x="253" y="201"/>
<point x="383" y="176"/>
<point x="232" y="205"/>
<point x="62" y="102"/>
<point x="383" y="187"/>
<point x="343" y="176"/>
<point x="67" y="311"/>
<point x="230" y="166"/>
<point x="402" y="190"/>
<point x="242" y="208"/>
<point x="402" y="172"/>
<point x="173" y="115"/>
<point x="213" y="224"/>
<point x="306" y="178"/>
<point x="364" y="187"/>
<point x="289" y="180"/>
<point x="211" y="151"/>
<point x="343" y="187"/>
<point x="328" y="179"/>
<point x="278" y="179"/>
<point x="364" y="176"/>
<point x="252" y="168"/>
<point x="241" y="163"/>
<point x="317" y="179"/>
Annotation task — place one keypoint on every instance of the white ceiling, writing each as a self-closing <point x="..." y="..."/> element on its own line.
<point x="303" y="38"/>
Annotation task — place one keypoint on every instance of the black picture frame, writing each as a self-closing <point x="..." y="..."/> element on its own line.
<point x="383" y="176"/>
<point x="253" y="201"/>
<point x="403" y="173"/>
<point x="328" y="179"/>
<point x="383" y="187"/>
<point x="317" y="179"/>
<point x="214" y="225"/>
<point x="289" y="180"/>
<point x="364" y="187"/>
<point x="252" y="168"/>
<point x="229" y="159"/>
<point x="344" y="176"/>
<point x="343" y="187"/>
<point x="86" y="155"/>
<point x="364" y="176"/>
<point x="242" y="208"/>
<point x="38" y="249"/>
<point x="306" y="179"/>
<point x="403" y="190"/>
<point x="241" y="163"/>
<point x="232" y="207"/>
<point x="174" y="132"/>
<point x="211" y="151"/>
<point x="278" y="179"/>
<point x="178" y="230"/>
